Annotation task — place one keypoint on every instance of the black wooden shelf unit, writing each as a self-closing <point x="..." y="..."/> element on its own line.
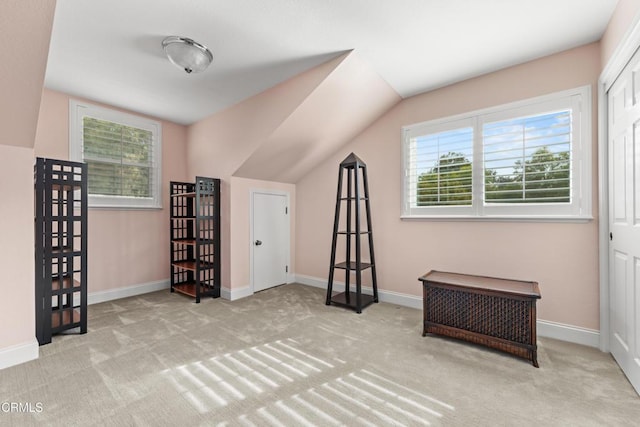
<point x="356" y="185"/>
<point x="195" y="237"/>
<point x="60" y="247"/>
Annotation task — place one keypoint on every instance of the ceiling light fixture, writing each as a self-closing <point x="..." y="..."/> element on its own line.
<point x="187" y="54"/>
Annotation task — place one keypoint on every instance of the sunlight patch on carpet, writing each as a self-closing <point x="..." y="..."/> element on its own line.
<point x="311" y="390"/>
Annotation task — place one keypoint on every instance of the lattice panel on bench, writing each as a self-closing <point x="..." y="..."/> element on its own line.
<point x="485" y="314"/>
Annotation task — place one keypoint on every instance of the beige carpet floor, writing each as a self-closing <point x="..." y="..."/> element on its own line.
<point x="283" y="358"/>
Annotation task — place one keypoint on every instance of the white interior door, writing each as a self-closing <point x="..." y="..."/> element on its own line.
<point x="624" y="219"/>
<point x="270" y="239"/>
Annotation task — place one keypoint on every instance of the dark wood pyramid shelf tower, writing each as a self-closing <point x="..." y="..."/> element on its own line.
<point x="357" y="194"/>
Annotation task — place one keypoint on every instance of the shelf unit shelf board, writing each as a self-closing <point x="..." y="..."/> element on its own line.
<point x="340" y="299"/>
<point x="352" y="265"/>
<point x="67" y="319"/>
<point x="190" y="289"/>
<point x="66" y="283"/>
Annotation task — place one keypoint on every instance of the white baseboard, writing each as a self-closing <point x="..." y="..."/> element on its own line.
<point x="545" y="328"/>
<point x="246" y="291"/>
<point x="236" y="293"/>
<point x="383" y="296"/>
<point x="129" y="291"/>
<point x="19" y="353"/>
<point x="318" y="283"/>
<point x="569" y="333"/>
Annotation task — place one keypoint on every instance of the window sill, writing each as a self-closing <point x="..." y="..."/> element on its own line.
<point x="498" y="218"/>
<point x="124" y="208"/>
<point x="124" y="203"/>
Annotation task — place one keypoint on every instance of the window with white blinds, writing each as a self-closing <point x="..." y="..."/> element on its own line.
<point x="122" y="152"/>
<point x="441" y="163"/>
<point x="530" y="159"/>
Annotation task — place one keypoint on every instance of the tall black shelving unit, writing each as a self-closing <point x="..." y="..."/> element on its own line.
<point x="357" y="193"/>
<point x="195" y="237"/>
<point x="60" y="247"/>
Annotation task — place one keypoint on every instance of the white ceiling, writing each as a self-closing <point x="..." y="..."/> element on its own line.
<point x="110" y="51"/>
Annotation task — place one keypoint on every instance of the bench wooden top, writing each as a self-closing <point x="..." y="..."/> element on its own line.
<point x="516" y="287"/>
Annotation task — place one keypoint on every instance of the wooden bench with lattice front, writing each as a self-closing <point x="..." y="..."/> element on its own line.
<point x="497" y="313"/>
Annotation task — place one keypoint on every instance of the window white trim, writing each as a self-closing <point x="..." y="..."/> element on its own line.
<point x="77" y="111"/>
<point x="579" y="209"/>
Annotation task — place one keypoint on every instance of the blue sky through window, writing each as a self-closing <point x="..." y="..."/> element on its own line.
<point x="508" y="141"/>
<point x="430" y="148"/>
<point x="504" y="142"/>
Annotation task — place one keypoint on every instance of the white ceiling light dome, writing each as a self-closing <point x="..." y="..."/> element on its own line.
<point x="187" y="54"/>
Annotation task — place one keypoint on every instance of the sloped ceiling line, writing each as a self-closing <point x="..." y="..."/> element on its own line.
<point x="347" y="101"/>
<point x="25" y="31"/>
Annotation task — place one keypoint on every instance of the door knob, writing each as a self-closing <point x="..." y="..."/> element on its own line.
<point x="258" y="242"/>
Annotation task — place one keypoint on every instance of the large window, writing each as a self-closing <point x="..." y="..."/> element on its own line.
<point x="123" y="156"/>
<point x="530" y="159"/>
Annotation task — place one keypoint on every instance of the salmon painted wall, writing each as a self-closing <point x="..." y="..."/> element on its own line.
<point x="17" y="316"/>
<point x="25" y="31"/>
<point x="624" y="16"/>
<point x="126" y="247"/>
<point x="563" y="257"/>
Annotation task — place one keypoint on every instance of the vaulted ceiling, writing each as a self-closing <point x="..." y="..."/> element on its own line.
<point x="110" y="51"/>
